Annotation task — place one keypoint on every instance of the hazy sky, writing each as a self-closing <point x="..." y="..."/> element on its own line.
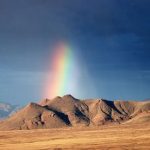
<point x="111" y="38"/>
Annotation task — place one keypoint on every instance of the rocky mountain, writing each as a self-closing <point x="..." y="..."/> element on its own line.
<point x="68" y="111"/>
<point x="6" y="109"/>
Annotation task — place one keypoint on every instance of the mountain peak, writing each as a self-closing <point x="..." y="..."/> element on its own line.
<point x="68" y="96"/>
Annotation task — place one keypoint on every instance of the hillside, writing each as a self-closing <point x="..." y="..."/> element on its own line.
<point x="68" y="111"/>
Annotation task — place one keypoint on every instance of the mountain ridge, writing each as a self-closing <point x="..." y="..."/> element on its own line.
<point x="68" y="111"/>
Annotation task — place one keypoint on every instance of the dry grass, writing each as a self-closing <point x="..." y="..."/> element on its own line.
<point x="104" y="138"/>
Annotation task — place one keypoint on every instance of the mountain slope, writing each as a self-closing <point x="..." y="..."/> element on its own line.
<point x="68" y="111"/>
<point x="76" y="110"/>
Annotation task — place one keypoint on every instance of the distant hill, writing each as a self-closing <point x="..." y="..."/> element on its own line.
<point x="6" y="109"/>
<point x="68" y="111"/>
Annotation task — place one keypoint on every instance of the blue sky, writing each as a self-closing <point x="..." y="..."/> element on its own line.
<point x="112" y="39"/>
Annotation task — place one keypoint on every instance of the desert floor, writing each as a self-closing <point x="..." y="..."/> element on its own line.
<point x="104" y="138"/>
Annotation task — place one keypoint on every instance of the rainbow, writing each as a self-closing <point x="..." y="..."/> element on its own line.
<point x="63" y="72"/>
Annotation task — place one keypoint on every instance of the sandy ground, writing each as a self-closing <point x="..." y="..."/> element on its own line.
<point x="105" y="138"/>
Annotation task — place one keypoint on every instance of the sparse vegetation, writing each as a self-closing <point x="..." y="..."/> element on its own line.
<point x="103" y="137"/>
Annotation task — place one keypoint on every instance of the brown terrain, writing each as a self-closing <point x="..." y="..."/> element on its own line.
<point x="69" y="123"/>
<point x="107" y="137"/>
<point x="68" y="111"/>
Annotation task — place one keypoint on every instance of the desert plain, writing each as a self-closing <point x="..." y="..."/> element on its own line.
<point x="106" y="137"/>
